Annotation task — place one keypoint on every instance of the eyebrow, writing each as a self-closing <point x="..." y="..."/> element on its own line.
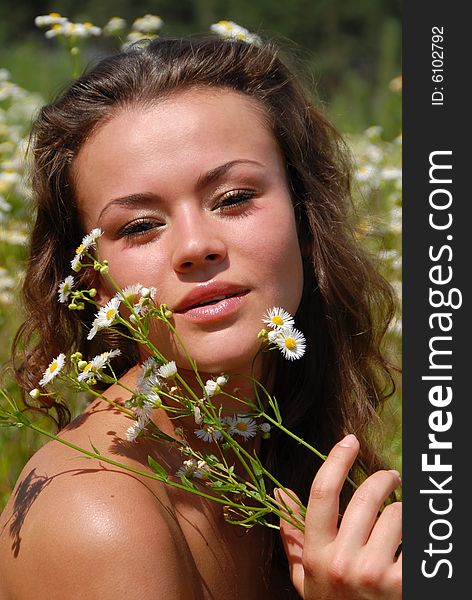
<point x="142" y="199"/>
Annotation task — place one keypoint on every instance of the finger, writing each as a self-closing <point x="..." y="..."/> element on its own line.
<point x="387" y="533"/>
<point x="293" y="540"/>
<point x="363" y="509"/>
<point x="321" y="522"/>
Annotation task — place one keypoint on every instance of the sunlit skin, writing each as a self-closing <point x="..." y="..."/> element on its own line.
<point x="141" y="179"/>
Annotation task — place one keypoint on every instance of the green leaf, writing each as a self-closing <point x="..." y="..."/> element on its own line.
<point x="258" y="472"/>
<point x="95" y="449"/>
<point x="157" y="469"/>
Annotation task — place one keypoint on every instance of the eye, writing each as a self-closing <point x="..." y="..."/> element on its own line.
<point x="233" y="199"/>
<point x="138" y="228"/>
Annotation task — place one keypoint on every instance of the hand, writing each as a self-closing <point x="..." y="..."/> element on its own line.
<point x="357" y="560"/>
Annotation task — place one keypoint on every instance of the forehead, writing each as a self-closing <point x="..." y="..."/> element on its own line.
<point x="186" y="133"/>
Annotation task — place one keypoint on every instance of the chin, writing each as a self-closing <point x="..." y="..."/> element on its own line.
<point x="229" y="360"/>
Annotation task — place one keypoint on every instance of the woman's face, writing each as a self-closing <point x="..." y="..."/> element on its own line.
<point x="192" y="197"/>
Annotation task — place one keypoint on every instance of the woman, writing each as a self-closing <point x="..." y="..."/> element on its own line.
<point x="215" y="180"/>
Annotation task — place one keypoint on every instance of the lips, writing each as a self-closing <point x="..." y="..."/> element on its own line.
<point x="209" y="294"/>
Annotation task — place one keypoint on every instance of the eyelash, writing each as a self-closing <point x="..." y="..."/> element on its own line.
<point x="136" y="228"/>
<point x="238" y="198"/>
<point x="142" y="227"/>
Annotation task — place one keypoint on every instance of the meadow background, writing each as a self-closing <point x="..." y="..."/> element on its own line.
<point x="347" y="51"/>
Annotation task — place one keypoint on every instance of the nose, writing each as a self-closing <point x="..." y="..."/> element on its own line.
<point x="197" y="244"/>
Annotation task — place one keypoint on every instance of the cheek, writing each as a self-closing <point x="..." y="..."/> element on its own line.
<point x="275" y="251"/>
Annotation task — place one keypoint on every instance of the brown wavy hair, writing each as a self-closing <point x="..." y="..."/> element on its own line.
<point x="346" y="305"/>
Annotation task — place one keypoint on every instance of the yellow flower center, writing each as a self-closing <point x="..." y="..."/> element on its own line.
<point x="110" y="314"/>
<point x="53" y="367"/>
<point x="277" y="320"/>
<point x="290" y="343"/>
<point x="79" y="249"/>
<point x="87" y="367"/>
<point x="241" y="426"/>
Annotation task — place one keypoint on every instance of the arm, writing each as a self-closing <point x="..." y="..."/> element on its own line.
<point x="357" y="560"/>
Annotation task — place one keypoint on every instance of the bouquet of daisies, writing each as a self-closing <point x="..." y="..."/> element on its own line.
<point x="207" y="473"/>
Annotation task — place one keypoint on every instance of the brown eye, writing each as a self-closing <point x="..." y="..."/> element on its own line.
<point x="235" y="198"/>
<point x="139" y="227"/>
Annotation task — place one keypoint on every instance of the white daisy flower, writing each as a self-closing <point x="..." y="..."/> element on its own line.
<point x="150" y="385"/>
<point x="143" y="413"/>
<point x="148" y="367"/>
<point x="291" y="343"/>
<point x="53" y="369"/>
<point x="278" y="318"/>
<point x="65" y="288"/>
<point x="133" y="431"/>
<point x="89" y="241"/>
<point x="147" y="295"/>
<point x="153" y="400"/>
<point x="212" y="388"/>
<point x="168" y="371"/>
<point x="93" y="368"/>
<point x="188" y="468"/>
<point x="203" y="469"/>
<point x="129" y="292"/>
<point x="105" y="316"/>
<point x="194" y="468"/>
<point x="208" y="433"/>
<point x="246" y="427"/>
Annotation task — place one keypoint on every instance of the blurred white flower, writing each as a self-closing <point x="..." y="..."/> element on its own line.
<point x="53" y="18"/>
<point x="147" y="24"/>
<point x="231" y="30"/>
<point x="115" y="25"/>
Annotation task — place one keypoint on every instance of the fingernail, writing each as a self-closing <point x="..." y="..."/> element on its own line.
<point x="395" y="472"/>
<point x="349" y="441"/>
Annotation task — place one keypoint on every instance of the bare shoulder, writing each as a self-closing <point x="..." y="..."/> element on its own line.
<point x="77" y="528"/>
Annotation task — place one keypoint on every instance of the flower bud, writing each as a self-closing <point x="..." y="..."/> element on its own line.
<point x="82" y="364"/>
<point x="222" y="380"/>
<point x="35" y="393"/>
<point x="92" y="293"/>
